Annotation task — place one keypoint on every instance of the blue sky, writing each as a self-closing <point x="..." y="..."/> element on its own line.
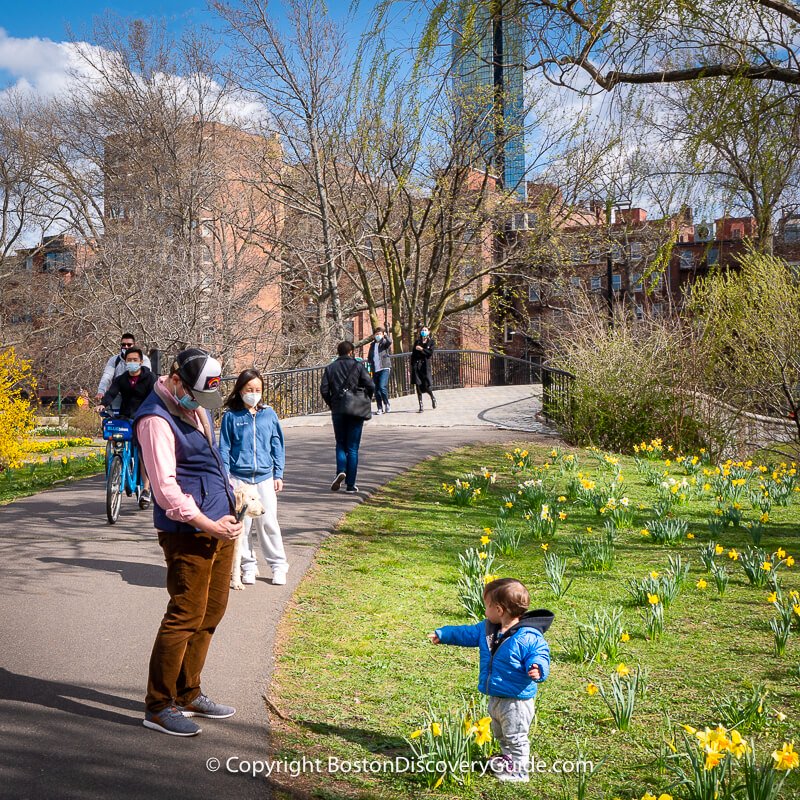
<point x="28" y="28"/>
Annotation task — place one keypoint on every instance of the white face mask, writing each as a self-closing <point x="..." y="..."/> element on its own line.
<point x="251" y="399"/>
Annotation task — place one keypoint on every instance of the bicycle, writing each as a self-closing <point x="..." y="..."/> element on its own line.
<point x="122" y="467"/>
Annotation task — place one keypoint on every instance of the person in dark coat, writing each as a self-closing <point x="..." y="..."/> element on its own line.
<point x="132" y="386"/>
<point x="421" y="365"/>
<point x="345" y="373"/>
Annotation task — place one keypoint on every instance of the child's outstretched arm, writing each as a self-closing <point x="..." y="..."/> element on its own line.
<point x="459" y="635"/>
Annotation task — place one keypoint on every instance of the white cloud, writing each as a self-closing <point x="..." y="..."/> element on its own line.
<point x="39" y="66"/>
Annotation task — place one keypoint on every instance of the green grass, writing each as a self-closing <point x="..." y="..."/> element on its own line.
<point x="37" y="476"/>
<point x="355" y="671"/>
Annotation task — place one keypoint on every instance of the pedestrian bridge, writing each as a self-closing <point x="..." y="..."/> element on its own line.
<point x="510" y="407"/>
<point x="473" y="388"/>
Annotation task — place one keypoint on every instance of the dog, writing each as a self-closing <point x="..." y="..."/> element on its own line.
<point x="245" y="495"/>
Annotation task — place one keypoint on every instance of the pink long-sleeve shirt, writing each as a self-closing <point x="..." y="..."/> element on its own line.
<point x="157" y="445"/>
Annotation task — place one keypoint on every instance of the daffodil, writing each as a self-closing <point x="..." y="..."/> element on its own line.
<point x="483" y="732"/>
<point x="789" y="561"/>
<point x="786" y="758"/>
<point x="690" y="536"/>
<point x="625" y="637"/>
<point x="701" y="584"/>
<point x="436" y="729"/>
<point x="654" y="575"/>
<point x="653" y="599"/>
<point x="485" y="540"/>
<point x="592" y="689"/>
<point x="562" y="499"/>
<point x="483" y="556"/>
<point x="719" y="549"/>
<point x="772" y="597"/>
<point x="733" y="554"/>
<point x="780" y="552"/>
<point x="415" y="735"/>
<point x="562" y="515"/>
<point x="623" y="670"/>
<point x="766" y="566"/>
<point x="713" y="758"/>
<point x="544" y="546"/>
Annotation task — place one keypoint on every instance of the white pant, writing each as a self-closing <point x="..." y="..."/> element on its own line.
<point x="267" y="530"/>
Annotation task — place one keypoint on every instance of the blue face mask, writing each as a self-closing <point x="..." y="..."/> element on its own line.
<point x="133" y="366"/>
<point x="186" y="401"/>
<point x="424" y="334"/>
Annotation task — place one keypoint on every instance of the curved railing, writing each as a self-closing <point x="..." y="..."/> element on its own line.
<point x="295" y="392"/>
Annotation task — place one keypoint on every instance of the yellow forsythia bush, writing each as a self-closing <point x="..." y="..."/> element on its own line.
<point x="16" y="413"/>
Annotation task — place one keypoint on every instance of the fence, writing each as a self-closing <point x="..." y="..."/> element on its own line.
<point x="296" y="392"/>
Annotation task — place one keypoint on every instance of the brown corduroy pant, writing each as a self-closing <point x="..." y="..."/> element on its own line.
<point x="198" y="582"/>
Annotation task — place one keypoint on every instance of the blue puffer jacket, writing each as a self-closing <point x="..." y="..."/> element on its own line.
<point x="251" y="445"/>
<point x="505" y="660"/>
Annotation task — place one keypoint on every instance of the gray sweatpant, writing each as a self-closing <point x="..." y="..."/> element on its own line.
<point x="511" y="724"/>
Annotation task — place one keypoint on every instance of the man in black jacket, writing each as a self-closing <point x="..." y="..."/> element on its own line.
<point x="134" y="385"/>
<point x="343" y="375"/>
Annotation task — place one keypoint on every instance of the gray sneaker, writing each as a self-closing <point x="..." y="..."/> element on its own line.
<point x="337" y="482"/>
<point x="170" y="720"/>
<point x="203" y="706"/>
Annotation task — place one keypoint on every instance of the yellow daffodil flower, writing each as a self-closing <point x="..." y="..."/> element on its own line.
<point x="623" y="670"/>
<point x="701" y="584"/>
<point x="436" y="729"/>
<point x="772" y="597"/>
<point x="786" y="758"/>
<point x="690" y="536"/>
<point x="625" y="637"/>
<point x="766" y="566"/>
<point x="719" y="549"/>
<point x="654" y="575"/>
<point x="789" y="561"/>
<point x="780" y="552"/>
<point x="733" y="555"/>
<point x="592" y="689"/>
<point x="485" y="540"/>
<point x="653" y="599"/>
<point x="415" y="735"/>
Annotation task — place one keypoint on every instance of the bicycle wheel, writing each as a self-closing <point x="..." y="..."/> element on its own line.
<point x="114" y="489"/>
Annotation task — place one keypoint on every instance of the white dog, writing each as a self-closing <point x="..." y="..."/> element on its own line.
<point x="245" y="495"/>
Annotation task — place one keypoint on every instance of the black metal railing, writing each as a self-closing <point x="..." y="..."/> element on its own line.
<point x="296" y="392"/>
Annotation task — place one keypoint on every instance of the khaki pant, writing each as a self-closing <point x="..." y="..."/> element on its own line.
<point x="198" y="582"/>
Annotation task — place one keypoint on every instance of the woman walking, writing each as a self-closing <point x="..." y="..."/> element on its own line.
<point x="251" y="446"/>
<point x="347" y="389"/>
<point x="421" y="365"/>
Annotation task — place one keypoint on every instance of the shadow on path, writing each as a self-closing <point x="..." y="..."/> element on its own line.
<point x="132" y="572"/>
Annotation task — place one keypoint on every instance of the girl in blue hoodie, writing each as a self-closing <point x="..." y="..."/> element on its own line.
<point x="515" y="658"/>
<point x="251" y="446"/>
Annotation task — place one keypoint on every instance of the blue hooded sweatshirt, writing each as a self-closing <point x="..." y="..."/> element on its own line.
<point x="251" y="445"/>
<point x="506" y="659"/>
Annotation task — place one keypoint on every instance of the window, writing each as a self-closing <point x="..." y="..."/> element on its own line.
<point x="736" y="233"/>
<point x="594" y="257"/>
<point x="576" y="282"/>
<point x="597" y="283"/>
<point x="58" y="261"/>
<point x="508" y="332"/>
<point x="639" y="311"/>
<point x="686" y="259"/>
<point x="533" y="294"/>
<point x="791" y="230"/>
<point x="28" y="265"/>
<point x="635" y="249"/>
<point x="616" y="282"/>
<point x="637" y="282"/>
<point x="617" y="252"/>
<point x="713" y="256"/>
<point x="658" y="309"/>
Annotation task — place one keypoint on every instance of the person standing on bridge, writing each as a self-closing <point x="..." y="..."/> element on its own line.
<point x="193" y="512"/>
<point x="347" y="389"/>
<point x="421" y="365"/>
<point x="379" y="359"/>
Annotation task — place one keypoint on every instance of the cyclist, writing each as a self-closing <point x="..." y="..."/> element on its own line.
<point x="132" y="386"/>
<point x="115" y="366"/>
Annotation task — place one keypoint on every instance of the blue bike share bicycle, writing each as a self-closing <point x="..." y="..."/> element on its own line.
<point x="122" y="464"/>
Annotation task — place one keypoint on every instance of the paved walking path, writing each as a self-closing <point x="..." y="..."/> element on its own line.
<point x="81" y="602"/>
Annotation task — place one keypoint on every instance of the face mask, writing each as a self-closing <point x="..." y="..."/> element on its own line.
<point x="424" y="334"/>
<point x="378" y="337"/>
<point x="187" y="402"/>
<point x="133" y="366"/>
<point x="251" y="399"/>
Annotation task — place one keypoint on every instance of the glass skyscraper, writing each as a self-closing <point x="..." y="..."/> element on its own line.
<point x="489" y="84"/>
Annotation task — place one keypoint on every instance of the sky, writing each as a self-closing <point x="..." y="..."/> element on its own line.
<point x="30" y="32"/>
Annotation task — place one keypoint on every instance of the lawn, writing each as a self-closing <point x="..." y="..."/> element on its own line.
<point x="50" y="462"/>
<point x="355" y="672"/>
